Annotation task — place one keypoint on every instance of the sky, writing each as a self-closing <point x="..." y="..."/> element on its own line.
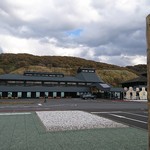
<point x="108" y="31"/>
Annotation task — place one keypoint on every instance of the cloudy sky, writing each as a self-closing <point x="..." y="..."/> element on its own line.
<point x="110" y="31"/>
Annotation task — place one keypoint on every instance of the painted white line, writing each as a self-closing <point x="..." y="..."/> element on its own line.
<point x="135" y="114"/>
<point x="128" y="118"/>
<point x="61" y="105"/>
<point x="8" y="114"/>
<point x="120" y="112"/>
<point x="106" y="112"/>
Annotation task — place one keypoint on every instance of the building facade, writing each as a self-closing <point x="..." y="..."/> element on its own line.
<point x="53" y="85"/>
<point x="136" y="88"/>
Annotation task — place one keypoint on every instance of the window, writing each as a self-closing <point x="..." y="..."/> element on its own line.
<point x="50" y="83"/>
<point x="11" y="82"/>
<point x="3" y="82"/>
<point x="85" y="70"/>
<point x="29" y="83"/>
<point x="62" y="83"/>
<point x="71" y="83"/>
<point x="88" y="84"/>
<point x="81" y="83"/>
<point x="19" y="82"/>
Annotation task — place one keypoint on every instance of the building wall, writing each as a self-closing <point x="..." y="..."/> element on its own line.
<point x="135" y="94"/>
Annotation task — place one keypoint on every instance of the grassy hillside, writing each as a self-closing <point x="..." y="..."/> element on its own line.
<point x="18" y="63"/>
<point x="115" y="77"/>
<point x="43" y="69"/>
<point x="138" y="68"/>
<point x="11" y="62"/>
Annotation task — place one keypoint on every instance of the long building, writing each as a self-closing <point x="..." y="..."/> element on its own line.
<point x="138" y="82"/>
<point x="136" y="88"/>
<point x="53" y="85"/>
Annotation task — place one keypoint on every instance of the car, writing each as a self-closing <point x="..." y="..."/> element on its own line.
<point x="88" y="96"/>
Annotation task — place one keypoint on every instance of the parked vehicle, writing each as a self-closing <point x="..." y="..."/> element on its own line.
<point x="88" y="96"/>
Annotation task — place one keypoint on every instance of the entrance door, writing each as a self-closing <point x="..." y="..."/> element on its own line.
<point x="62" y="94"/>
<point x="24" y="94"/>
<point x="19" y="94"/>
<point x="14" y="94"/>
<point x="5" y="94"/>
<point x="37" y="94"/>
<point x="33" y="94"/>
<point x="9" y="94"/>
<point x="54" y="94"/>
<point x="28" y="94"/>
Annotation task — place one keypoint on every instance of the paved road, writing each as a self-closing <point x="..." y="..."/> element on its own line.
<point x="131" y="113"/>
<point x="74" y="104"/>
<point x="132" y="118"/>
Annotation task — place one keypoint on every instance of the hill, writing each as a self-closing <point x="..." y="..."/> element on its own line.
<point x="18" y="63"/>
<point x="138" y="69"/>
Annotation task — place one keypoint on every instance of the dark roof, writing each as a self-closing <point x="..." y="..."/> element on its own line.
<point x="88" y="77"/>
<point x="80" y="69"/>
<point x="114" y="89"/>
<point x="34" y="73"/>
<point x="102" y="86"/>
<point x="43" y="89"/>
<point x="138" y="79"/>
<point x="80" y="77"/>
<point x="83" y="75"/>
<point x="141" y="86"/>
<point x="37" y="78"/>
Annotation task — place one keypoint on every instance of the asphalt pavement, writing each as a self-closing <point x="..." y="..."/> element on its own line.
<point x="137" y="119"/>
<point x="132" y="113"/>
<point x="24" y="130"/>
<point x="71" y="104"/>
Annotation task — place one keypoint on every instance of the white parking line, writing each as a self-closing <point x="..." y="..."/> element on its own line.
<point x="106" y="112"/>
<point x="119" y="116"/>
<point x="8" y="114"/>
<point x="62" y="105"/>
<point x="135" y="114"/>
<point x="109" y="112"/>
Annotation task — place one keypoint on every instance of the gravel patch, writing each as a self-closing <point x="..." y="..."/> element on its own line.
<point x="74" y="120"/>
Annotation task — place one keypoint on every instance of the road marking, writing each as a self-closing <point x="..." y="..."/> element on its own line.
<point x="8" y="114"/>
<point x="135" y="114"/>
<point x="106" y="112"/>
<point x="119" y="112"/>
<point x="128" y="118"/>
<point x="61" y="105"/>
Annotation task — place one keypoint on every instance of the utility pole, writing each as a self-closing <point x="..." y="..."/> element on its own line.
<point x="148" y="73"/>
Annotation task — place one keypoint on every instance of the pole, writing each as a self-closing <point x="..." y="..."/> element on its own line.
<point x="148" y="73"/>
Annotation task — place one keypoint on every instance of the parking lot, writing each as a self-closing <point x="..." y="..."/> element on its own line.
<point x="21" y="129"/>
<point x="132" y="118"/>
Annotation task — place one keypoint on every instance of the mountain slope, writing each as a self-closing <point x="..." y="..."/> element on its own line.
<point x="18" y="63"/>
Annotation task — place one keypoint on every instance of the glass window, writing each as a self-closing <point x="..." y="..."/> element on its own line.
<point x="71" y="83"/>
<point x="81" y="83"/>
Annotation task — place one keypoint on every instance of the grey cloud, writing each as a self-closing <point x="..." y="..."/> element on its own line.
<point x="121" y="61"/>
<point x="1" y="50"/>
<point x="116" y="40"/>
<point x="107" y="50"/>
<point x="52" y="25"/>
<point x="114" y="34"/>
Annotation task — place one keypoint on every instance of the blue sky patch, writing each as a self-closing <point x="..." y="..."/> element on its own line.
<point x="74" y="33"/>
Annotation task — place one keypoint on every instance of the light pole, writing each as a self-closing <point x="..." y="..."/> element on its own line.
<point x="148" y="73"/>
